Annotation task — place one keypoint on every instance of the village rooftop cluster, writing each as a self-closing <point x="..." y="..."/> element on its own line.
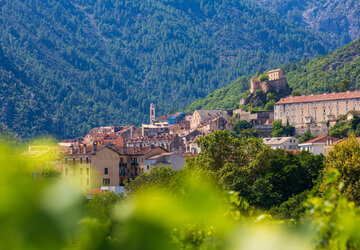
<point x="109" y="156"/>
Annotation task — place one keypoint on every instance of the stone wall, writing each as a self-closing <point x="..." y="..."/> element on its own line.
<point x="280" y="86"/>
<point x="315" y="130"/>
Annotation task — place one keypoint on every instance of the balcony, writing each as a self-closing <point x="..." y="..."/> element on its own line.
<point x="123" y="164"/>
<point x="134" y="163"/>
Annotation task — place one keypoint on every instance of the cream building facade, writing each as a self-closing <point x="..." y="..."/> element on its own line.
<point x="201" y="116"/>
<point x="106" y="166"/>
<point x="275" y="74"/>
<point x="315" y="109"/>
<point x="282" y="142"/>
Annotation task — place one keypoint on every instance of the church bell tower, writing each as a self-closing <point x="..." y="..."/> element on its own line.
<point x="152" y="113"/>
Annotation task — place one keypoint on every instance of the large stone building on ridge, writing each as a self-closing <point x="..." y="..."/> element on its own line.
<point x="315" y="109"/>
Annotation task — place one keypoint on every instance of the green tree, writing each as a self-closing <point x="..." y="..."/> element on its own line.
<point x="270" y="105"/>
<point x="296" y="92"/>
<point x="344" y="85"/>
<point x="279" y="130"/>
<point x="306" y="137"/>
<point x="240" y="125"/>
<point x="101" y="205"/>
<point x="159" y="177"/>
<point x="263" y="78"/>
<point x="345" y="159"/>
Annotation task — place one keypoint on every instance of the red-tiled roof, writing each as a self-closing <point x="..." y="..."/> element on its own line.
<point x="190" y="155"/>
<point x="294" y="151"/>
<point x="161" y="155"/>
<point x="162" y="117"/>
<point x="335" y="119"/>
<point x="94" y="191"/>
<point x="345" y="139"/>
<point x="321" y="139"/>
<point x="323" y="97"/>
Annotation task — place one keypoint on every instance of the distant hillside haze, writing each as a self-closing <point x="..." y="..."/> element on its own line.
<point x="318" y="75"/>
<point x="81" y="64"/>
<point x="339" y="18"/>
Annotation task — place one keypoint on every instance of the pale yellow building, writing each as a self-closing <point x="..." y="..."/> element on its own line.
<point x="315" y="109"/>
<point x="275" y="74"/>
<point x="93" y="169"/>
<point x="106" y="166"/>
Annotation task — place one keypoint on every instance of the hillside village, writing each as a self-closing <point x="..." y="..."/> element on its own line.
<point x="121" y="153"/>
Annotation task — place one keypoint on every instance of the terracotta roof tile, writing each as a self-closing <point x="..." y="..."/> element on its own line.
<point x="94" y="191"/>
<point x="317" y="98"/>
<point x="321" y="139"/>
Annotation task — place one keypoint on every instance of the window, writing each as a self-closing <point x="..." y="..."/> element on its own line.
<point x="87" y="160"/>
<point x="284" y="147"/>
<point x="106" y="171"/>
<point x="87" y="171"/>
<point x="73" y="161"/>
<point x="80" y="160"/>
<point x="106" y="181"/>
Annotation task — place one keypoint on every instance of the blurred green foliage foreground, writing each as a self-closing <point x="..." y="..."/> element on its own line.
<point x="196" y="208"/>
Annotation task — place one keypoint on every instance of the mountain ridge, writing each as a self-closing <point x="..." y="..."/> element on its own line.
<point x="103" y="62"/>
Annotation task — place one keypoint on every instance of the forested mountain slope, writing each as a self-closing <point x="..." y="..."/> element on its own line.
<point x="90" y="63"/>
<point x="339" y="18"/>
<point x="22" y="104"/>
<point x="317" y="75"/>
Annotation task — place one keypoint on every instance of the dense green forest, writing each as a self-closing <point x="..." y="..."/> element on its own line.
<point x="339" y="18"/>
<point x="79" y="64"/>
<point x="322" y="74"/>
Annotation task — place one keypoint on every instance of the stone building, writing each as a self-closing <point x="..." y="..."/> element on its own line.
<point x="106" y="166"/>
<point x="300" y="111"/>
<point x="282" y="142"/>
<point x="172" y="143"/>
<point x="318" y="145"/>
<point x="256" y="118"/>
<point x="155" y="129"/>
<point x="174" y="160"/>
<point x="277" y="82"/>
<point x="199" y="117"/>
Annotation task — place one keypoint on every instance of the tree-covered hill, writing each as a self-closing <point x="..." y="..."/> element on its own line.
<point x="317" y="75"/>
<point x="339" y="18"/>
<point x="87" y="63"/>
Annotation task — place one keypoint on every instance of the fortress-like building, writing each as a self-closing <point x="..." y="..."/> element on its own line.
<point x="316" y="109"/>
<point x="277" y="82"/>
